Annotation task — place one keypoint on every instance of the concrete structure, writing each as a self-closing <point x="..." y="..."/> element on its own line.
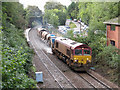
<point x="113" y="32"/>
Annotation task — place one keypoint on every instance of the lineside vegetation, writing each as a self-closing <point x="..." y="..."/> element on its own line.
<point x="16" y="55"/>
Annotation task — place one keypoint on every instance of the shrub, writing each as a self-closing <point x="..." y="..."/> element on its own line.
<point x="16" y="60"/>
<point x="109" y="56"/>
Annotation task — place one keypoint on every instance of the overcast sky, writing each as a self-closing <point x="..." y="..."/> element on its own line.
<point x="41" y="3"/>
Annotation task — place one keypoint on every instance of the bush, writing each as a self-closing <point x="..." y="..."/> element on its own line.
<point x="109" y="56"/>
<point x="16" y="60"/>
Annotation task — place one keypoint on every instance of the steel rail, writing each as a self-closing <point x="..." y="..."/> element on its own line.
<point x="108" y="87"/>
<point x="88" y="82"/>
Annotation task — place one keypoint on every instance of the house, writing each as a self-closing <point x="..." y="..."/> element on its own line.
<point x="113" y="32"/>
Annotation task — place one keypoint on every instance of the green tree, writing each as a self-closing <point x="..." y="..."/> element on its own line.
<point x="72" y="10"/>
<point x="33" y="12"/>
<point x="55" y="13"/>
<point x="53" y="5"/>
<point x="16" y="55"/>
<point x="54" y="20"/>
<point x="95" y="13"/>
<point x="13" y="12"/>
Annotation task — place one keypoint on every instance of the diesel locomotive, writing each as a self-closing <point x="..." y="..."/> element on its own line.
<point x="77" y="55"/>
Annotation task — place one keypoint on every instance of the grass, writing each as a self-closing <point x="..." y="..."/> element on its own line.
<point x="72" y="25"/>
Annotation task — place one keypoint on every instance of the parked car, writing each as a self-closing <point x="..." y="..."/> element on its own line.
<point x="75" y="20"/>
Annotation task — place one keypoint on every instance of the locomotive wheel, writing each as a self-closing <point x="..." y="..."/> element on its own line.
<point x="53" y="52"/>
<point x="67" y="61"/>
<point x="70" y="64"/>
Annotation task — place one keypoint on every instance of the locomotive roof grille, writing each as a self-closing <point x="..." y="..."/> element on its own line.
<point x="73" y="43"/>
<point x="68" y="42"/>
<point x="64" y="39"/>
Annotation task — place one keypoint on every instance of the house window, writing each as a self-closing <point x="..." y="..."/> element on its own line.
<point x="112" y="42"/>
<point x="56" y="44"/>
<point x="113" y="27"/>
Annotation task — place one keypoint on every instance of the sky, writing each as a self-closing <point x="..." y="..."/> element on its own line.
<point x="41" y="3"/>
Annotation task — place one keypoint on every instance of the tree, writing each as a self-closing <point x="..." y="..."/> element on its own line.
<point x="72" y="10"/>
<point x="53" y="5"/>
<point x="94" y="13"/>
<point x="34" y="15"/>
<point x="55" y="13"/>
<point x="14" y="13"/>
<point x="16" y="55"/>
<point x="33" y="11"/>
<point x="54" y="20"/>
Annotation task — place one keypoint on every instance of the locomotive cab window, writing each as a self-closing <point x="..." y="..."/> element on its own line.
<point x="78" y="52"/>
<point x="86" y="52"/>
<point x="68" y="52"/>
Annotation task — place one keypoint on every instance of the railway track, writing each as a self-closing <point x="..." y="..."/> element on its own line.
<point x="94" y="82"/>
<point x="59" y="77"/>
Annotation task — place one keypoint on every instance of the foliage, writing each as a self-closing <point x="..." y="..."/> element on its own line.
<point x="33" y="15"/>
<point x="13" y="12"/>
<point x="16" y="55"/>
<point x="72" y="10"/>
<point x="33" y="11"/>
<point x="94" y="14"/>
<point x="16" y="60"/>
<point x="70" y="34"/>
<point x="53" y="5"/>
<point x="109" y="56"/>
<point x="55" y="13"/>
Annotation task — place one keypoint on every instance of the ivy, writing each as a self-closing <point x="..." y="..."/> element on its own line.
<point x="16" y="60"/>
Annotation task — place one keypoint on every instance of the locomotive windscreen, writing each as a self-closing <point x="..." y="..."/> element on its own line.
<point x="78" y="52"/>
<point x="86" y="52"/>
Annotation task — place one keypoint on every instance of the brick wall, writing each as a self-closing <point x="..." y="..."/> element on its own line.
<point x="113" y="35"/>
<point x="118" y="37"/>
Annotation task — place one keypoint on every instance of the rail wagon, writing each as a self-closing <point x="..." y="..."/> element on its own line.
<point x="50" y="39"/>
<point x="44" y="35"/>
<point x="40" y="31"/>
<point x="76" y="55"/>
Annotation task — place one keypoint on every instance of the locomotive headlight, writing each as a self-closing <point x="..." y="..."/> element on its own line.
<point x="88" y="60"/>
<point x="76" y="60"/>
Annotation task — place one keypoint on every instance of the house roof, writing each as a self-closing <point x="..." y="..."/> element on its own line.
<point x="115" y="21"/>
